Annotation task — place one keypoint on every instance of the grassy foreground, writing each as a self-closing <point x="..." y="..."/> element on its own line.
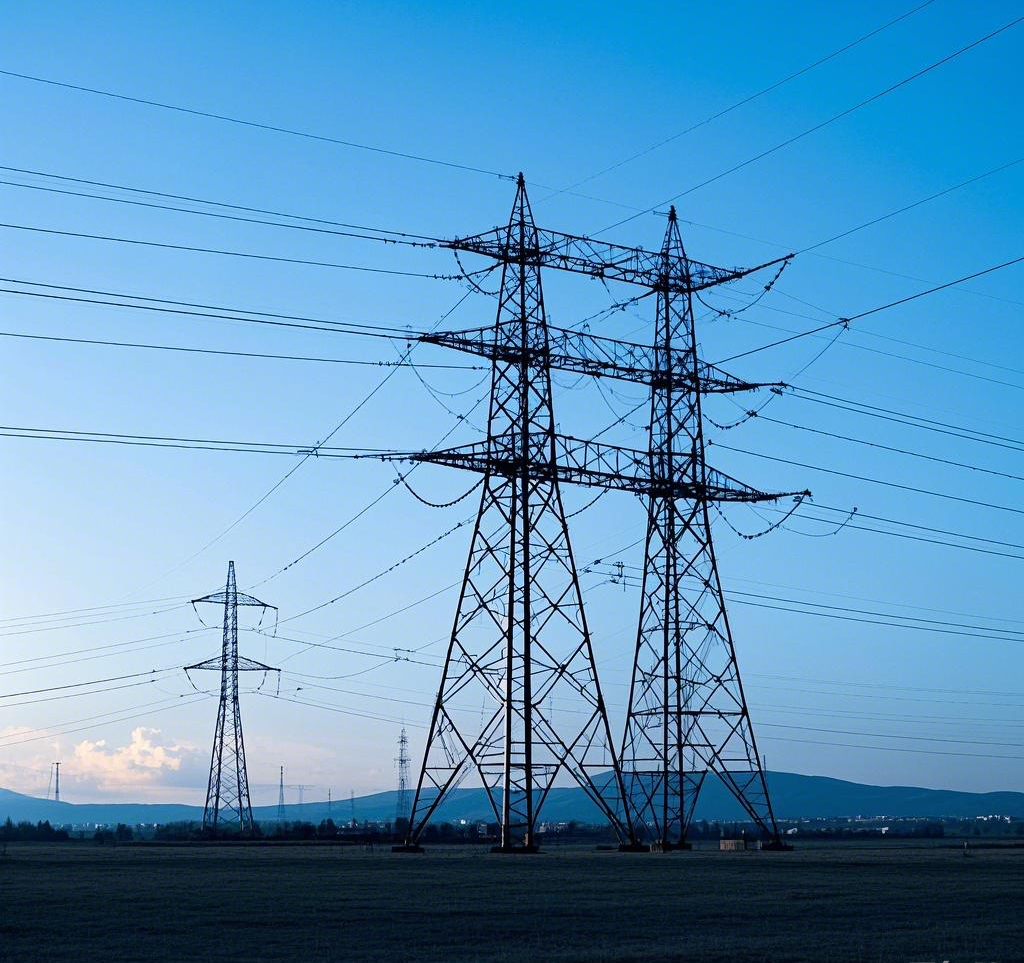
<point x="845" y="902"/>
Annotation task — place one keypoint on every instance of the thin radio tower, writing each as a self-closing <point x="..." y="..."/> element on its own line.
<point x="328" y="802"/>
<point x="56" y="784"/>
<point x="402" y="802"/>
<point x="280" y="798"/>
<point x="352" y="806"/>
<point x="228" y="806"/>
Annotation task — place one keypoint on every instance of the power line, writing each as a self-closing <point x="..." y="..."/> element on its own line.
<point x="194" y="444"/>
<point x="910" y="207"/>
<point x="844" y="322"/>
<point x="926" y="752"/>
<point x="893" y="354"/>
<point x="891" y="448"/>
<point x="889" y="685"/>
<point x="907" y="419"/>
<point x="33" y="629"/>
<point x="84" y="612"/>
<point x="236" y="354"/>
<point x="99" y="648"/>
<point x="848" y="523"/>
<point x="195" y="249"/>
<point x="817" y="127"/>
<point x="875" y="481"/>
<point x="845" y="613"/>
<point x="309" y="135"/>
<point x="149" y="711"/>
<point x="78" y="685"/>
<point x="740" y="103"/>
<point x="263" y="318"/>
<point x="356" y="231"/>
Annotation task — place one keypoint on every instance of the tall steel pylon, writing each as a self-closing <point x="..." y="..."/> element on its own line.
<point x="402" y="761"/>
<point x="520" y="638"/>
<point x="228" y="807"/>
<point x="687" y="713"/>
<point x="280" y="798"/>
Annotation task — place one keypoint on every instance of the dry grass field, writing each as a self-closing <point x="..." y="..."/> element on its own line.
<point x="884" y="902"/>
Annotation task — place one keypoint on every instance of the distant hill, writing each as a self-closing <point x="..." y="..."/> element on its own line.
<point x="794" y="797"/>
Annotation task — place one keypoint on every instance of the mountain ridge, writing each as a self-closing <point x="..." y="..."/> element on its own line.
<point x="794" y="796"/>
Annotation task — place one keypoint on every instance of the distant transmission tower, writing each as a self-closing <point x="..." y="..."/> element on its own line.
<point x="352" y="806"/>
<point x="687" y="713"/>
<point x="328" y="802"/>
<point x="280" y="798"/>
<point x="402" y="808"/>
<point x="228" y="806"/>
<point x="56" y="784"/>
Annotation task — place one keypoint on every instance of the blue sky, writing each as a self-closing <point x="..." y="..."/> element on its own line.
<point x="560" y="93"/>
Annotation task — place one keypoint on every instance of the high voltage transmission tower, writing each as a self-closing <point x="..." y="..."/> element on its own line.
<point x="520" y="637"/>
<point x="228" y="807"/>
<point x="402" y="800"/>
<point x="687" y="713"/>
<point x="280" y="798"/>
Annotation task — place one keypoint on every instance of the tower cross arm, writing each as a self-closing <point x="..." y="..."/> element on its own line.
<point x="577" y="461"/>
<point x="601" y="259"/>
<point x="216" y="664"/>
<point x="220" y="597"/>
<point x="589" y="354"/>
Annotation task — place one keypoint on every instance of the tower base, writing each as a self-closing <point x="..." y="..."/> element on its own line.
<point x="663" y="846"/>
<point x="407" y="848"/>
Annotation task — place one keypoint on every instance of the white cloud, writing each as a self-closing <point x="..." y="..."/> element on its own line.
<point x="147" y="761"/>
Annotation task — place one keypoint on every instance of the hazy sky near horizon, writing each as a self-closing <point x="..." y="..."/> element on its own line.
<point x="561" y="92"/>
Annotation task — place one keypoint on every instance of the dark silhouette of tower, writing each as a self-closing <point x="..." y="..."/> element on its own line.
<point x="228" y="807"/>
<point x="520" y="636"/>
<point x="280" y="798"/>
<point x="687" y="713"/>
<point x="56" y="785"/>
<point x="402" y="801"/>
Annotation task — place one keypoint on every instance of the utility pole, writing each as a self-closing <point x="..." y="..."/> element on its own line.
<point x="228" y="806"/>
<point x="56" y="785"/>
<point x="328" y="802"/>
<point x="280" y="798"/>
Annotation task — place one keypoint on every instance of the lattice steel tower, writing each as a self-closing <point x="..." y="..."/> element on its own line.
<point x="687" y="712"/>
<point x="520" y="636"/>
<point x="228" y="807"/>
<point x="402" y="801"/>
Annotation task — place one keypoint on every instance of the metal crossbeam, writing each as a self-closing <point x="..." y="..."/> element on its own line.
<point x="584" y="353"/>
<point x="579" y="461"/>
<point x="600" y="259"/>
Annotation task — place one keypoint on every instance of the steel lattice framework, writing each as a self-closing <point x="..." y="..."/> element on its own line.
<point x="520" y="641"/>
<point x="228" y="807"/>
<point x="687" y="712"/>
<point x="520" y="634"/>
